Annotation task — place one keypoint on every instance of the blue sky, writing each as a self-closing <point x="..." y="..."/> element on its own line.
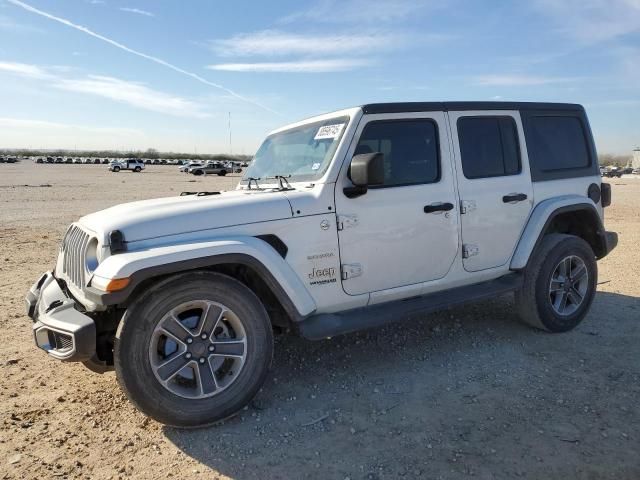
<point x="135" y="74"/>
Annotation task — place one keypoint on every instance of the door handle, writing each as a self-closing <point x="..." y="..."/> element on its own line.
<point x="438" y="207"/>
<point x="514" y="197"/>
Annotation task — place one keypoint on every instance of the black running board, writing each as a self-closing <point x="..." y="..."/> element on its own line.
<point x="324" y="325"/>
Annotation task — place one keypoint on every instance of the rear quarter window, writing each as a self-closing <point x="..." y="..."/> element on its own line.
<point x="559" y="145"/>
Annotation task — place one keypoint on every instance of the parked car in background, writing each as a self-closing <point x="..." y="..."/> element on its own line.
<point x="39" y="160"/>
<point x="210" y="168"/>
<point x="186" y="166"/>
<point x="612" y="172"/>
<point x="3" y="160"/>
<point x="132" y="164"/>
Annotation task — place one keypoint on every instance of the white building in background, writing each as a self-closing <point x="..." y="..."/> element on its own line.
<point x="636" y="158"/>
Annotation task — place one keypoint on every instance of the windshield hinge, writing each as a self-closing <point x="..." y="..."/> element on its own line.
<point x="347" y="221"/>
<point x="350" y="270"/>
<point x="467" y="206"/>
<point x="469" y="250"/>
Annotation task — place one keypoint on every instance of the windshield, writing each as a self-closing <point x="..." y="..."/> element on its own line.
<point x="303" y="153"/>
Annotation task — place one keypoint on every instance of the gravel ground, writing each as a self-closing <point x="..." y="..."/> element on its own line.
<point x="467" y="392"/>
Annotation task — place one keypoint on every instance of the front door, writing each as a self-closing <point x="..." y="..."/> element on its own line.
<point x="494" y="182"/>
<point x="405" y="231"/>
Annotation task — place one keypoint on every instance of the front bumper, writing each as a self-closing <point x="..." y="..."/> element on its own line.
<point x="59" y="328"/>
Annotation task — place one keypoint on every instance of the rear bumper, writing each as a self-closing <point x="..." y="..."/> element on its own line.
<point x="611" y="240"/>
<point x="59" y="329"/>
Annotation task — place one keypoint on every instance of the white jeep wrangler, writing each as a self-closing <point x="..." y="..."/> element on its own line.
<point x="344" y="221"/>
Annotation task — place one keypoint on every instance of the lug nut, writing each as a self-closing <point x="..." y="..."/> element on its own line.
<point x="203" y="336"/>
<point x="212" y="348"/>
<point x="189" y="340"/>
<point x="187" y="355"/>
<point x="202" y="360"/>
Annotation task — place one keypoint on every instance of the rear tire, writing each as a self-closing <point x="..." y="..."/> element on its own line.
<point x="214" y="381"/>
<point x="559" y="284"/>
<point x="222" y="173"/>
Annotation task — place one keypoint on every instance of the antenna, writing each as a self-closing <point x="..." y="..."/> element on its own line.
<point x="230" y="148"/>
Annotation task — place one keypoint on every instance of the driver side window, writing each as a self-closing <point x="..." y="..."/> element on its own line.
<point x="410" y="149"/>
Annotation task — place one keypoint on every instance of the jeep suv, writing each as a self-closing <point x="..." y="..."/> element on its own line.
<point x="342" y="222"/>
<point x="132" y="164"/>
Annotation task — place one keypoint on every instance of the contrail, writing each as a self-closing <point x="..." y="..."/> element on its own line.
<point x="157" y="60"/>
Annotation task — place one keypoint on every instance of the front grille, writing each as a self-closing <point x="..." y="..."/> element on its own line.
<point x="74" y="250"/>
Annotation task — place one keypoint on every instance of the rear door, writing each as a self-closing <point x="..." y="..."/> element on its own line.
<point x="494" y="182"/>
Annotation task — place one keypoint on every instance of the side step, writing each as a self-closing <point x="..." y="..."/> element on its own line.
<point x="324" y="325"/>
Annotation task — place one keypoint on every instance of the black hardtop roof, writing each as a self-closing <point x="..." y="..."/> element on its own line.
<point x="403" y="107"/>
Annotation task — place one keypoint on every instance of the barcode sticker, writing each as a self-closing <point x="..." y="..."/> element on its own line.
<point x="329" y="131"/>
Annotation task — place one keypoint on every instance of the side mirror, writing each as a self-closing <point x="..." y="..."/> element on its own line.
<point x="365" y="170"/>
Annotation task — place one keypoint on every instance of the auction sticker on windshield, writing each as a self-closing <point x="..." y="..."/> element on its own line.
<point x="329" y="131"/>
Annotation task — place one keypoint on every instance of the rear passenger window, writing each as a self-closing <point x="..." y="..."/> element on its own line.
<point x="488" y="146"/>
<point x="557" y="143"/>
<point x="410" y="148"/>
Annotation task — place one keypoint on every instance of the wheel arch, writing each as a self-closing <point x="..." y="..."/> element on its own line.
<point x="252" y="261"/>
<point x="573" y="215"/>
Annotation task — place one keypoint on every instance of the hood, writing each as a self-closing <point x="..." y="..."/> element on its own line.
<point x="174" y="215"/>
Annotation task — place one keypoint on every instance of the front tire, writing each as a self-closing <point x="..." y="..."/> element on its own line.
<point x="193" y="349"/>
<point x="559" y="284"/>
<point x="116" y="169"/>
<point x="222" y="173"/>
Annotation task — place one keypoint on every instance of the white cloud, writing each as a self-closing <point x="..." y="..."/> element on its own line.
<point x="20" y="133"/>
<point x="20" y="123"/>
<point x="514" y="80"/>
<point x="301" y="66"/>
<point x="134" y="94"/>
<point x="26" y="70"/>
<point x="122" y="91"/>
<point x="276" y="43"/>
<point x="10" y="25"/>
<point x="362" y="11"/>
<point x="137" y="11"/>
<point x="593" y="21"/>
<point x="132" y="51"/>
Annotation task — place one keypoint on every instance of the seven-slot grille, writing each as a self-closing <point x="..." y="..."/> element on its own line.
<point x="74" y="250"/>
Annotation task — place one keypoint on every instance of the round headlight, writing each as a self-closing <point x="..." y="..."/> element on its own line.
<point x="91" y="257"/>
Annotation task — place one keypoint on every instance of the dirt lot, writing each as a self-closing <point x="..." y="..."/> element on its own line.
<point x="468" y="392"/>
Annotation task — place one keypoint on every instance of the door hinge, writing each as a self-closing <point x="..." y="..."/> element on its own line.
<point x="347" y="221"/>
<point x="350" y="270"/>
<point x="470" y="250"/>
<point x="467" y="206"/>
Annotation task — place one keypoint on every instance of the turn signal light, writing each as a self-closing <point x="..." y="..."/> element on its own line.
<point x="116" y="284"/>
<point x="109" y="284"/>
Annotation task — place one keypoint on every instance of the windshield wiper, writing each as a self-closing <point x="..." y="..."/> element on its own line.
<point x="283" y="183"/>
<point x="254" y="180"/>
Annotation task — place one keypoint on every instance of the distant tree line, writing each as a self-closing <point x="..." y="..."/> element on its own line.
<point x="610" y="160"/>
<point x="149" y="153"/>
